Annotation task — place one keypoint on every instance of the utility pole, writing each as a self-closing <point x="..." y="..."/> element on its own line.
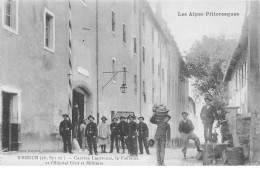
<point x="97" y="62"/>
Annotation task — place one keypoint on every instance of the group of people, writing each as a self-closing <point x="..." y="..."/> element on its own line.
<point x="208" y="115"/>
<point x="131" y="133"/>
<point x="128" y="133"/>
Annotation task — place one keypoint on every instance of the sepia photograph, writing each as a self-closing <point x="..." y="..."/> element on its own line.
<point x="130" y="82"/>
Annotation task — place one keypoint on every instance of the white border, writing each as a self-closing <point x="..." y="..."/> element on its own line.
<point x="47" y="11"/>
<point x="14" y="31"/>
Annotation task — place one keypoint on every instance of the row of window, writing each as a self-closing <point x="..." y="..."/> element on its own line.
<point x="113" y="17"/>
<point x="10" y="22"/>
<point x="240" y="77"/>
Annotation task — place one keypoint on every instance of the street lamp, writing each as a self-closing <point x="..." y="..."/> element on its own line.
<point x="123" y="86"/>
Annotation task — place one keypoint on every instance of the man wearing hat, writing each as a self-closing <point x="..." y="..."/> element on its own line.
<point x="65" y="132"/>
<point x="163" y="132"/>
<point x="75" y="120"/>
<point x="186" y="129"/>
<point x="103" y="134"/>
<point x="114" y="135"/>
<point x="91" y="134"/>
<point x="123" y="132"/>
<point x="143" y="134"/>
<point x="207" y="115"/>
<point x="132" y="136"/>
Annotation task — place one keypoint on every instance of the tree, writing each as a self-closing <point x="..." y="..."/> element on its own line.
<point x="207" y="63"/>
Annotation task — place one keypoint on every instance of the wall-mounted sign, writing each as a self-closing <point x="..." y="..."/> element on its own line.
<point x="83" y="71"/>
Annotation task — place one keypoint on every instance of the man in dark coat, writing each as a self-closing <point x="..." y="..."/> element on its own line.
<point x="123" y="132"/>
<point x="75" y="120"/>
<point x="163" y="132"/>
<point x="143" y="134"/>
<point x="207" y="115"/>
<point x="114" y="135"/>
<point x="132" y="136"/>
<point x="65" y="132"/>
<point x="186" y="129"/>
<point x="91" y="134"/>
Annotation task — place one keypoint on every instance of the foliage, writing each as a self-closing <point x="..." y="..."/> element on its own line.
<point x="207" y="62"/>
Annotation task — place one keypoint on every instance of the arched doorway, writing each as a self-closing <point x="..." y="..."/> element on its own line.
<point x="82" y="97"/>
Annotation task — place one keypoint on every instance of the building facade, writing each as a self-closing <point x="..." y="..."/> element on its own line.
<point x="242" y="78"/>
<point x="90" y="44"/>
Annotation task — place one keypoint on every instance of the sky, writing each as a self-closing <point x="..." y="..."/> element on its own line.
<point x="187" y="29"/>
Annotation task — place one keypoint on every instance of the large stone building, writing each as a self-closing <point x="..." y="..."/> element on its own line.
<point x="242" y="78"/>
<point x="99" y="38"/>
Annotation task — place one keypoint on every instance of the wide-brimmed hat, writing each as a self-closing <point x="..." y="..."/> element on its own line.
<point x="114" y="118"/>
<point x="162" y="109"/>
<point x="141" y="117"/>
<point x="65" y="115"/>
<point x="122" y="117"/>
<point x="103" y="117"/>
<point x="90" y="116"/>
<point x="185" y="113"/>
<point x="131" y="116"/>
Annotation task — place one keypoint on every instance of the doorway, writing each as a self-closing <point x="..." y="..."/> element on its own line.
<point x="10" y="127"/>
<point x="81" y="97"/>
<point x="78" y="98"/>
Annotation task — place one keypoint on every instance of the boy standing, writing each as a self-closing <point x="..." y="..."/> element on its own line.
<point x="186" y="129"/>
<point x="91" y="134"/>
<point x="122" y="132"/>
<point x="143" y="134"/>
<point x="114" y="135"/>
<point x="65" y="132"/>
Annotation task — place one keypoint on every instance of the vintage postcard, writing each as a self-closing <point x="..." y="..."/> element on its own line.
<point x="130" y="82"/>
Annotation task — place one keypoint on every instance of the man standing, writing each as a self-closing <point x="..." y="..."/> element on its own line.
<point x="186" y="129"/>
<point x="143" y="134"/>
<point x="123" y="132"/>
<point x="75" y="120"/>
<point x="82" y="129"/>
<point x="163" y="132"/>
<point x="114" y="135"/>
<point x="207" y="115"/>
<point x="103" y="134"/>
<point x="91" y="134"/>
<point x="132" y="136"/>
<point x="65" y="132"/>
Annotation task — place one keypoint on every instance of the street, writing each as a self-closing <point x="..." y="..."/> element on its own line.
<point x="173" y="157"/>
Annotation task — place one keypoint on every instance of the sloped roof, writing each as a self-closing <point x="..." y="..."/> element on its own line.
<point x="237" y="55"/>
